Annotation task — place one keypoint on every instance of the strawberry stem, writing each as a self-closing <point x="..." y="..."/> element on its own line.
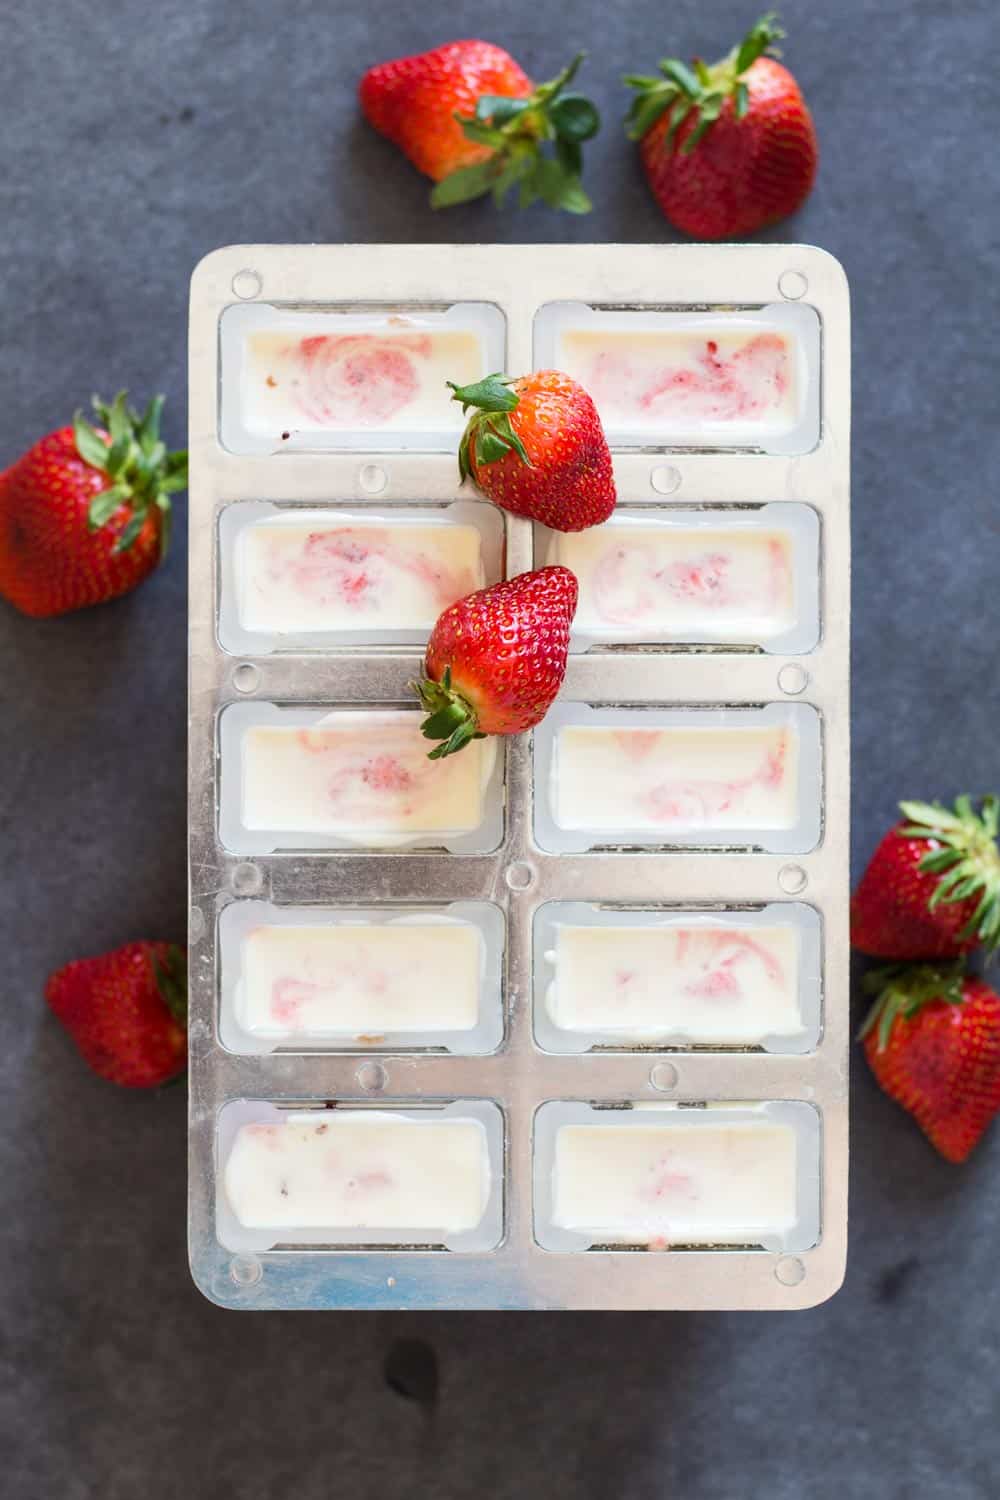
<point x="702" y="88"/>
<point x="141" y="473"/>
<point x="489" y="429"/>
<point x="451" y="718"/>
<point x="519" y="132"/>
<point x="901" y="990"/>
<point x="963" y="852"/>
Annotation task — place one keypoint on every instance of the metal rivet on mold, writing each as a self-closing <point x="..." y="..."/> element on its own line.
<point x="246" y="285"/>
<point x="792" y="285"/>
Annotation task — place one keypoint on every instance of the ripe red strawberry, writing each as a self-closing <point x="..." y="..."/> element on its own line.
<point x="535" y="446"/>
<point x="126" y="1011"/>
<point x="496" y="659"/>
<point x="85" y="513"/>
<point x="932" y="887"/>
<point x="467" y="116"/>
<point x="726" y="148"/>
<point x="933" y="1041"/>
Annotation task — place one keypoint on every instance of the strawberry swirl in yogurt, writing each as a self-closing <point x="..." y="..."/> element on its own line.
<point x="322" y="575"/>
<point x="355" y="381"/>
<point x="678" y="779"/>
<point x="361" y="775"/>
<point x="707" y="983"/>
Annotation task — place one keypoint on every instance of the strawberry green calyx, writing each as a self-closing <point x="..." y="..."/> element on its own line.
<point x="901" y="990"/>
<point x="488" y="433"/>
<point x="170" y="973"/>
<point x="519" y="131"/>
<point x="451" y="717"/>
<point x="130" y="452"/>
<point x="966" y="857"/>
<point x="702" y="88"/>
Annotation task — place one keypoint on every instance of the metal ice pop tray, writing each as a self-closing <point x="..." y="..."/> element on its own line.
<point x="532" y="1071"/>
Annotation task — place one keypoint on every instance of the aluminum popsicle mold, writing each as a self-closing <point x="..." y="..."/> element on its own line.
<point x="519" y="877"/>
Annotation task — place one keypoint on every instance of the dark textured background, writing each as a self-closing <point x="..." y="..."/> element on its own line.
<point x="135" y="138"/>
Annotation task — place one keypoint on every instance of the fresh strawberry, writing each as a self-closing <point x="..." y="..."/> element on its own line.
<point x="496" y="659"/>
<point x="126" y="1011"/>
<point x="467" y="116"/>
<point x="932" y="887"/>
<point x="726" y="148"/>
<point x="85" y="513"/>
<point x="932" y="1038"/>
<point x="536" y="447"/>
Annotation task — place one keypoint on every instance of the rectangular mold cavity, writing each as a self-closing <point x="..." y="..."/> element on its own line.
<point x="615" y="978"/>
<point x="298" y="579"/>
<point x="692" y="378"/>
<point x="674" y="1176"/>
<point x="302" y="379"/>
<point x="424" y="1176"/>
<point x="386" y="978"/>
<point x="608" y="777"/>
<point x="694" y="577"/>
<point x="356" y="778"/>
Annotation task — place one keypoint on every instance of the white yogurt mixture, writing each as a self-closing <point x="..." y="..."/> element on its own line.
<point x="656" y="582"/>
<point x="360" y="1169"/>
<point x="675" y="779"/>
<point x="356" y="381"/>
<point x="361" y="775"/>
<point x="737" y="386"/>
<point x="320" y="574"/>
<point x="727" y="985"/>
<point x="675" y="1183"/>
<point x="359" y="980"/>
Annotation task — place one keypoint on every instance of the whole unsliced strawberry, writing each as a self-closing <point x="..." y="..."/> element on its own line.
<point x="932" y="1038"/>
<point x="496" y="659"/>
<point x="467" y="116"/>
<point x="85" y="513"/>
<point x="726" y="148"/>
<point x="536" y="447"/>
<point x="126" y="1011"/>
<point x="932" y="887"/>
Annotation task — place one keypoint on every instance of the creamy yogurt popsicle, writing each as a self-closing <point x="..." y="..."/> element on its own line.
<point x="687" y="384"/>
<point x="319" y="574"/>
<point x="671" y="1183"/>
<point x="674" y="779"/>
<point x="361" y="775"/>
<point x="359" y="1170"/>
<point x="723" y="984"/>
<point x="359" y="980"/>
<point x="348" y="381"/>
<point x="644" y="580"/>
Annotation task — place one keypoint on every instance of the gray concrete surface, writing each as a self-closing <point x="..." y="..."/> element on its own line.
<point x="136" y="138"/>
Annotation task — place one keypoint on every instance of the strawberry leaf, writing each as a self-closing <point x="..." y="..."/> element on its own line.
<point x="704" y="88"/>
<point x="90" y="445"/>
<point x="681" y="74"/>
<point x="499" y="109"/>
<point x="492" y="393"/>
<point x="104" y="505"/>
<point x="130" y="532"/>
<point x="144" y="473"/>
<point x="170" y="974"/>
<point x="575" y="118"/>
<point x="758" y="40"/>
<point x="569" y="155"/>
<point x="464" y="185"/>
<point x="520" y="133"/>
<point x="451" y="718"/>
<point x="483" y="135"/>
<point x="902" y="989"/>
